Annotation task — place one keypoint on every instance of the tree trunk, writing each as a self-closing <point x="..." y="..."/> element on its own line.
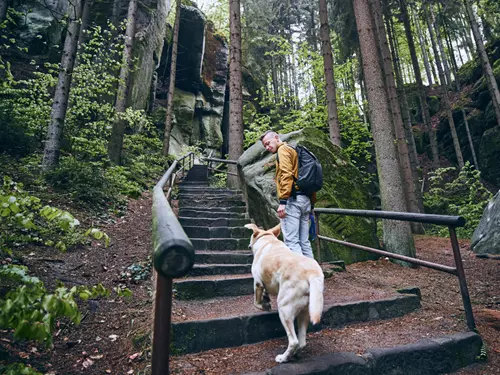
<point x="235" y="92"/>
<point x="275" y="78"/>
<point x="449" y="43"/>
<point x="397" y="234"/>
<point x="61" y="95"/>
<point x="331" y="96"/>
<point x="466" y="34"/>
<point x="4" y="4"/>
<point x="115" y="12"/>
<point x="437" y="58"/>
<point x="171" y="85"/>
<point x="116" y="141"/>
<point x="444" y="90"/>
<point x="422" y="45"/>
<point x="402" y="145"/>
<point x="421" y="91"/>
<point x="85" y="22"/>
<point x="488" y="73"/>
<point x="441" y="50"/>
<point x="405" y="113"/>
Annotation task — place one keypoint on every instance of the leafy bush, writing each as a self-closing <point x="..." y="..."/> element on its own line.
<point x="23" y="220"/>
<point x="460" y="195"/>
<point x="31" y="311"/>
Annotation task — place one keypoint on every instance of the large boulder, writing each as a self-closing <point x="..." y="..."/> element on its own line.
<point x="489" y="150"/>
<point x="486" y="237"/>
<point x="343" y="188"/>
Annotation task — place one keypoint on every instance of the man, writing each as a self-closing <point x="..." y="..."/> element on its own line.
<point x="294" y="206"/>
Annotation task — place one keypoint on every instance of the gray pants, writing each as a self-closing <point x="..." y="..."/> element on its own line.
<point x="295" y="226"/>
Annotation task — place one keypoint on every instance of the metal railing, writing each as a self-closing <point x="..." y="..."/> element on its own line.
<point x="173" y="256"/>
<point x="211" y="160"/>
<point x="451" y="221"/>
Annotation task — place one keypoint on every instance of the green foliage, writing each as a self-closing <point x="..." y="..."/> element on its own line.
<point x="18" y="369"/>
<point x="218" y="180"/>
<point x="460" y="195"/>
<point x="24" y="220"/>
<point x="31" y="311"/>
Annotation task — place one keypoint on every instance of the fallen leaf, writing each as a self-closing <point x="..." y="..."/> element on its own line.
<point x="99" y="356"/>
<point x="134" y="356"/>
<point x="24" y="355"/>
<point x="87" y="363"/>
<point x="113" y="337"/>
<point x="98" y="338"/>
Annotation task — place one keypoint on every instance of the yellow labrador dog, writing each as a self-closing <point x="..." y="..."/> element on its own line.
<point x="295" y="279"/>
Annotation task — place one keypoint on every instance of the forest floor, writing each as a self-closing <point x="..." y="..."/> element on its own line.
<point x="113" y="337"/>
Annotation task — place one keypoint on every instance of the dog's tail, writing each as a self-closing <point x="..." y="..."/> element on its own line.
<point x="316" y="298"/>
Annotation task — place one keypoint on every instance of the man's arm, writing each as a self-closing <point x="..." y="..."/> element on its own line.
<point x="286" y="167"/>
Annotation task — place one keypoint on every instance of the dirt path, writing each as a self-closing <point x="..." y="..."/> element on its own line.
<point x="113" y="336"/>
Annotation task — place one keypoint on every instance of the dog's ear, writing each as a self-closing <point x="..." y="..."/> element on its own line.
<point x="253" y="227"/>
<point x="276" y="230"/>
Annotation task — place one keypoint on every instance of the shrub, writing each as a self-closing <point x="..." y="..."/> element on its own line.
<point x="460" y="194"/>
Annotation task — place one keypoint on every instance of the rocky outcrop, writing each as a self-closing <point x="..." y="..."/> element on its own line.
<point x="486" y="237"/>
<point x="201" y="78"/>
<point x="148" y="45"/>
<point x="343" y="188"/>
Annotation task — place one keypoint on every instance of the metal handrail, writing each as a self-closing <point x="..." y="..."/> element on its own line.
<point x="173" y="256"/>
<point x="221" y="161"/>
<point x="451" y="221"/>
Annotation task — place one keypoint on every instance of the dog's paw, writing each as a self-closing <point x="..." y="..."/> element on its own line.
<point x="263" y="306"/>
<point x="281" y="358"/>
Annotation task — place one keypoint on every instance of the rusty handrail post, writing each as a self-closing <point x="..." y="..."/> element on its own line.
<point x="318" y="243"/>
<point x="162" y="326"/>
<point x="469" y="316"/>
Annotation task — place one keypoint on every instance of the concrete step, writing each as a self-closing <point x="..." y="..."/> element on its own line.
<point x="220" y="243"/>
<point x="239" y="210"/>
<point x="224" y="257"/>
<point x="212" y="214"/>
<point x="199" y="335"/>
<point x="212" y="222"/>
<point x="211" y="203"/>
<point x="220" y="269"/>
<point x="217" y="232"/>
<point x="210" y="287"/>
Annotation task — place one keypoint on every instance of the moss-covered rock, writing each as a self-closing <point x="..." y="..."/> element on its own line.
<point x="343" y="188"/>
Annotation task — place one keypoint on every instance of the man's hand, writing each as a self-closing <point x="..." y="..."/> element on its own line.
<point x="281" y="211"/>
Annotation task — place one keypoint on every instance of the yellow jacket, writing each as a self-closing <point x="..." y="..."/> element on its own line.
<point x="286" y="170"/>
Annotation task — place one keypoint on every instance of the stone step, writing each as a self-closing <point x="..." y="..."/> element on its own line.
<point x="211" y="203"/>
<point x="238" y="210"/>
<point x="210" y="196"/>
<point x="210" y="287"/>
<point x="212" y="214"/>
<point x="220" y="269"/>
<point x="217" y="232"/>
<point x="220" y="243"/>
<point x="212" y="222"/>
<point x="222" y="332"/>
<point x="224" y="257"/>
<point x="432" y="355"/>
<point x="198" y="184"/>
<point x="192" y="189"/>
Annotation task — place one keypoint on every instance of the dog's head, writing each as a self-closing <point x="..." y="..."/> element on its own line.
<point x="258" y="233"/>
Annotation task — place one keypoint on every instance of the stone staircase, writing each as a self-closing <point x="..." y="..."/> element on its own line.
<point x="217" y="294"/>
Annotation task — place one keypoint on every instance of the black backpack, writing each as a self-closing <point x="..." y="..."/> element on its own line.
<point x="310" y="177"/>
